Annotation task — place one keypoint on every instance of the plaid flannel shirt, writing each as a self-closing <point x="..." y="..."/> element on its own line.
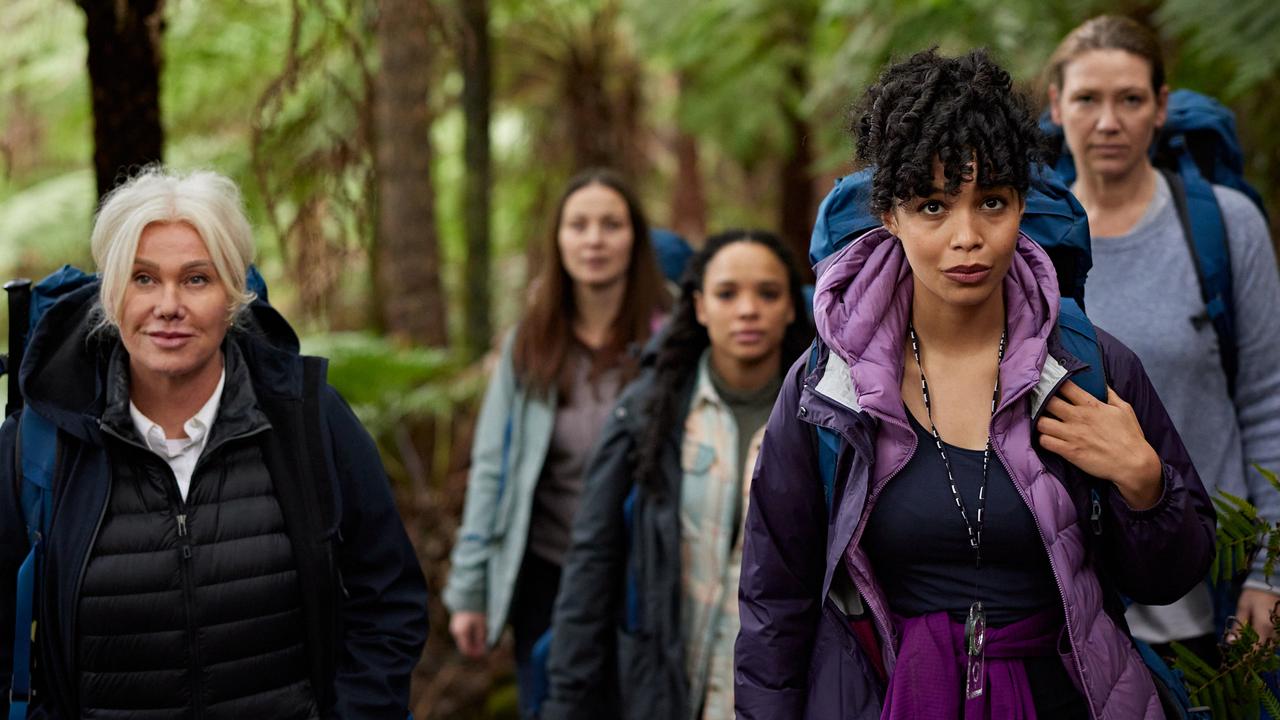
<point x="712" y="509"/>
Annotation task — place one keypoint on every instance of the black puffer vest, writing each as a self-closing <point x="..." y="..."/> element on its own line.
<point x="192" y="608"/>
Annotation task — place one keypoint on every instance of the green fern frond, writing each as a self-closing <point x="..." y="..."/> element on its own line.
<point x="1270" y="476"/>
<point x="1269" y="701"/>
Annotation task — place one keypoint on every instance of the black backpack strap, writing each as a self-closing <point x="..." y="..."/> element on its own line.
<point x="19" y="292"/>
<point x="294" y="451"/>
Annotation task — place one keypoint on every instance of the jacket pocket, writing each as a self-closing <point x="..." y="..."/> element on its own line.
<point x="637" y="669"/>
<point x="842" y="683"/>
<point x="696" y="457"/>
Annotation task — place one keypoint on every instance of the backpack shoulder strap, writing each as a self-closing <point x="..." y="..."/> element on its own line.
<point x="299" y="457"/>
<point x="35" y="459"/>
<point x="1206" y="235"/>
<point x="1080" y="338"/>
<point x="827" y="441"/>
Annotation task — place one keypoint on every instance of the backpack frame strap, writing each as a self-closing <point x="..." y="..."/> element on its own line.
<point x="35" y="462"/>
<point x="1205" y="231"/>
<point x="1079" y="337"/>
<point x="827" y="442"/>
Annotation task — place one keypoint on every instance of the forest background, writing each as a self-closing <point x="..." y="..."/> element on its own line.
<point x="399" y="159"/>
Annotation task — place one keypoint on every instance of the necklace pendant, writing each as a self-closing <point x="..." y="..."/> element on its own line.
<point x="975" y="635"/>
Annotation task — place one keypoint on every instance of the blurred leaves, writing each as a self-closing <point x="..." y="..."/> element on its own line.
<point x="1244" y="35"/>
<point x="1241" y="532"/>
<point x="1235" y="688"/>
<point x="387" y="385"/>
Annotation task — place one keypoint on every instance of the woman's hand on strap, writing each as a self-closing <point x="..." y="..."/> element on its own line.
<point x="1104" y="440"/>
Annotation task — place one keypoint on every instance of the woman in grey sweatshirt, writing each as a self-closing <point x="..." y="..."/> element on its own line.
<point x="1108" y="93"/>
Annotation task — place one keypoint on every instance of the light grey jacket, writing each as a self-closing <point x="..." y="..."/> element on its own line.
<point x="512" y="435"/>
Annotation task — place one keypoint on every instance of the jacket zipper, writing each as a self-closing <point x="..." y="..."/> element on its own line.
<point x="1095" y="521"/>
<point x="188" y="572"/>
<point x="1053" y="568"/>
<point x="188" y="595"/>
<point x="179" y="508"/>
<point x="84" y="566"/>
<point x="882" y="622"/>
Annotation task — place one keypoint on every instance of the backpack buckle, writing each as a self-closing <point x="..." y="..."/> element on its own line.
<point x="22" y="697"/>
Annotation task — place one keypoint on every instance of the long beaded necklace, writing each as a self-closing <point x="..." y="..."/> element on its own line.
<point x="976" y="624"/>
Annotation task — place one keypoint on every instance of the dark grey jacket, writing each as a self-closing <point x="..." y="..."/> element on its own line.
<point x="616" y="650"/>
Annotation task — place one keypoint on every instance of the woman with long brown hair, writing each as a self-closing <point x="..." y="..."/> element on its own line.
<point x="597" y="298"/>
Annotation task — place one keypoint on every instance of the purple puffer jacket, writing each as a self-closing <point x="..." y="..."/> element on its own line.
<point x="803" y="573"/>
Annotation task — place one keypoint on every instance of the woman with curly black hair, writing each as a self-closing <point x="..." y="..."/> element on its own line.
<point x="986" y="513"/>
<point x="652" y="575"/>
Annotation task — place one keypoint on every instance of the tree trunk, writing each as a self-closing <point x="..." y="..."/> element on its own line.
<point x="476" y="102"/>
<point x="124" y="74"/>
<point x="689" y="201"/>
<point x="798" y="202"/>
<point x="409" y="292"/>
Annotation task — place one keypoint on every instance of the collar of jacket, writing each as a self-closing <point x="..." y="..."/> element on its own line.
<point x="861" y="306"/>
<point x="704" y="390"/>
<point x="238" y="412"/>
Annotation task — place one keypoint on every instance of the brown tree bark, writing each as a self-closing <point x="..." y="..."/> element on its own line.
<point x="799" y="203"/>
<point x="408" y="255"/>
<point x="476" y="105"/>
<point x="124" y="74"/>
<point x="689" y="199"/>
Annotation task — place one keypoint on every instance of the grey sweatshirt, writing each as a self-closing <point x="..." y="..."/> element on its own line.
<point x="1143" y="289"/>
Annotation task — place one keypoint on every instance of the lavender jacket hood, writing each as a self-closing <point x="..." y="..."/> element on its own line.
<point x="804" y="574"/>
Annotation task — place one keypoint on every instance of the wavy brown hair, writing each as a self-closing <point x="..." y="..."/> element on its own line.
<point x="545" y="333"/>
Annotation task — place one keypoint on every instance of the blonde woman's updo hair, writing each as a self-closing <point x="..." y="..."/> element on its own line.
<point x="207" y="201"/>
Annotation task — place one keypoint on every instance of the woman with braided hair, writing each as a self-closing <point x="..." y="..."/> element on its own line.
<point x="986" y="513"/>
<point x="651" y="578"/>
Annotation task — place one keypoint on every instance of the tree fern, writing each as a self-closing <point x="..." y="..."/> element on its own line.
<point x="1235" y="688"/>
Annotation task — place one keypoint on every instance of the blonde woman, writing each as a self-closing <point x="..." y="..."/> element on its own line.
<point x="224" y="543"/>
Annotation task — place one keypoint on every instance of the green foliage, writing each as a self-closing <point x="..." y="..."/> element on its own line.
<point x="1235" y="688"/>
<point x="46" y="224"/>
<point x="44" y="89"/>
<point x="725" y="51"/>
<point x="1240" y="533"/>
<point x="388" y="385"/>
<point x="1242" y="35"/>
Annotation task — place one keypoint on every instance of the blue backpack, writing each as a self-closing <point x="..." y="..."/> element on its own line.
<point x="1196" y="149"/>
<point x="35" y="457"/>
<point x="1057" y="222"/>
<point x="673" y="253"/>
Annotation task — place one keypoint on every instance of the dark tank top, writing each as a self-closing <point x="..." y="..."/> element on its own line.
<point x="919" y="546"/>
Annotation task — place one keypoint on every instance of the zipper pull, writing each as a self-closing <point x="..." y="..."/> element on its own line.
<point x="182" y="525"/>
<point x="1095" y="513"/>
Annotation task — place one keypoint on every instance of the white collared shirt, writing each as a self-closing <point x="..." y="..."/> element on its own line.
<point x="181" y="454"/>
